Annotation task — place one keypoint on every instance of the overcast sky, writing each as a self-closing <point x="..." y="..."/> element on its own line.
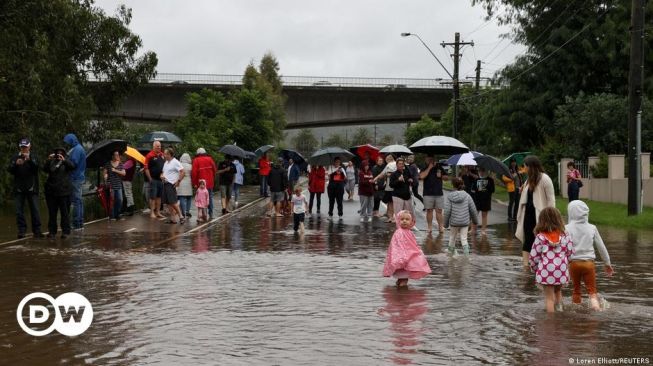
<point x="317" y="38"/>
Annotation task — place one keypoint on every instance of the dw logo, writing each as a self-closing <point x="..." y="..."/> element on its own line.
<point x="73" y="314"/>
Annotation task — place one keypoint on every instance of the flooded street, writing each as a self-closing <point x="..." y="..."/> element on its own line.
<point x="249" y="291"/>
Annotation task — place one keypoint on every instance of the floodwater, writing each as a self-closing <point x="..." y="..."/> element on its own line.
<point x="248" y="291"/>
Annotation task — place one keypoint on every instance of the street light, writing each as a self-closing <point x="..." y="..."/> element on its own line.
<point x="427" y="47"/>
<point x="455" y="86"/>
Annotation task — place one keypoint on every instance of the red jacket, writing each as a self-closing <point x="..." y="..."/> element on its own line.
<point x="203" y="168"/>
<point x="316" y="180"/>
<point x="264" y="166"/>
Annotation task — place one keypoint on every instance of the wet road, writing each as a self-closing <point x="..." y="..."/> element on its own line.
<point x="249" y="291"/>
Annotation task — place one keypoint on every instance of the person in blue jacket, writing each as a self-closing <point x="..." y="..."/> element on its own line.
<point x="293" y="176"/>
<point x="77" y="156"/>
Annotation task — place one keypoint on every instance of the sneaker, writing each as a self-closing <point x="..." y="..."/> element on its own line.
<point x="146" y="211"/>
<point x="224" y="211"/>
<point x="235" y="204"/>
<point x="466" y="249"/>
<point x="188" y="214"/>
<point x="558" y="307"/>
<point x="362" y="219"/>
<point x="182" y="220"/>
<point x="452" y="250"/>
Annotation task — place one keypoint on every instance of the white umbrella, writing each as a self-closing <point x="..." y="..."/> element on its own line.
<point x="396" y="150"/>
<point x="439" y="145"/>
<point x="464" y="159"/>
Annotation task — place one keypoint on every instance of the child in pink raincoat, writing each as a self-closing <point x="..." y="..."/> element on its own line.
<point x="405" y="259"/>
<point x="202" y="201"/>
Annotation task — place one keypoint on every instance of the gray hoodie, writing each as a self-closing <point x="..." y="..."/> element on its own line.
<point x="583" y="234"/>
<point x="458" y="209"/>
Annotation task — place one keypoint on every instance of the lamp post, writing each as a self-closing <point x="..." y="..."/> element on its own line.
<point x="454" y="79"/>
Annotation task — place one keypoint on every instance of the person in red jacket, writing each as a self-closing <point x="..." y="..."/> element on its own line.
<point x="264" y="168"/>
<point x="204" y="168"/>
<point x="316" y="183"/>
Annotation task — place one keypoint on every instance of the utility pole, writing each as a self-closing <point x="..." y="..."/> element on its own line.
<point x="478" y="76"/>
<point x="456" y="86"/>
<point x="635" y="77"/>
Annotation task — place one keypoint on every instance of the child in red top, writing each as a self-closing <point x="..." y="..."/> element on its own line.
<point x="549" y="257"/>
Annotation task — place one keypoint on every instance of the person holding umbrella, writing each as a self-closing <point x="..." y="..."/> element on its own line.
<point x="390" y="167"/>
<point x="336" y="187"/>
<point x="114" y="170"/>
<point x="433" y="176"/>
<point x="25" y="169"/>
<point x="226" y="174"/>
<point x="401" y="181"/>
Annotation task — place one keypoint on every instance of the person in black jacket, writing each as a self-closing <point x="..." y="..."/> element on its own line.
<point x="58" y="188"/>
<point x="25" y="169"/>
<point x="278" y="181"/>
<point x="402" y="182"/>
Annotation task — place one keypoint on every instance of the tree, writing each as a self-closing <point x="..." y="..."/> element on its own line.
<point x="305" y="142"/>
<point x="362" y="136"/>
<point x="386" y="140"/>
<point x="336" y="140"/>
<point x="48" y="51"/>
<point x="426" y="126"/>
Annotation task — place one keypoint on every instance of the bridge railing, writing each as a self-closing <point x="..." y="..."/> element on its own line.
<point x="303" y="81"/>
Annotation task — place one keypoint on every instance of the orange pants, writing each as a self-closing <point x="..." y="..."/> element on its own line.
<point x="585" y="271"/>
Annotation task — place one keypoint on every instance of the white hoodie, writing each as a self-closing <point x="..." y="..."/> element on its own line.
<point x="583" y="234"/>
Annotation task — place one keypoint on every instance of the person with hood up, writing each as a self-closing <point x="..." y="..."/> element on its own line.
<point x="404" y="259"/>
<point x="185" y="188"/>
<point x="549" y="257"/>
<point x="78" y="158"/>
<point x="459" y="210"/>
<point x="582" y="268"/>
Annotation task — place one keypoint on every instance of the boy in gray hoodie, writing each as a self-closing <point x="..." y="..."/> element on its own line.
<point x="581" y="266"/>
<point x="459" y="210"/>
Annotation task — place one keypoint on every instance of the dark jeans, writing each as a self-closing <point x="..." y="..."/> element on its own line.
<point x="416" y="194"/>
<point x="335" y="191"/>
<point x="263" y="188"/>
<point x="117" y="203"/>
<point x="77" y="204"/>
<point x="33" y="202"/>
<point x="317" y="195"/>
<point x="378" y="195"/>
<point x="297" y="219"/>
<point x="58" y="205"/>
<point x="513" y="204"/>
<point x="210" y="202"/>
<point x="573" y="191"/>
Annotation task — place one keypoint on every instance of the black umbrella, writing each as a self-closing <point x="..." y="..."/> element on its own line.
<point x="287" y="154"/>
<point x="263" y="149"/>
<point x="492" y="164"/>
<point x="439" y="145"/>
<point x="99" y="154"/>
<point x="325" y="156"/>
<point x="233" y="150"/>
<point x="250" y="155"/>
<point x="162" y="136"/>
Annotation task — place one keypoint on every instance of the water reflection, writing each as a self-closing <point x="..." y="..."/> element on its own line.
<point x="404" y="309"/>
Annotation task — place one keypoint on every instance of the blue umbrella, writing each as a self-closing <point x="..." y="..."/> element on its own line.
<point x="464" y="159"/>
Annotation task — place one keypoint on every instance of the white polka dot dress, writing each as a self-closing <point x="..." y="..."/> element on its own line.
<point x="550" y="260"/>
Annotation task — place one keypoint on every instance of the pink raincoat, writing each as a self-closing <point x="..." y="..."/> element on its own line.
<point x="405" y="259"/>
<point x="202" y="197"/>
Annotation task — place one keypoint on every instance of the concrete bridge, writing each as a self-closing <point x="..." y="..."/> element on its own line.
<point x="312" y="101"/>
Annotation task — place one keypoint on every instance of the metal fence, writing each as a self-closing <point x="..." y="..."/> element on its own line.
<point x="583" y="168"/>
<point x="305" y="81"/>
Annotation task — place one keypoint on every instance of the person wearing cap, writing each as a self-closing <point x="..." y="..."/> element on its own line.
<point x="204" y="167"/>
<point x="78" y="158"/>
<point x="25" y="169"/>
<point x="58" y="188"/>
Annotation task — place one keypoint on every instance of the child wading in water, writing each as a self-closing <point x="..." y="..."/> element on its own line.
<point x="405" y="259"/>
<point x="459" y="211"/>
<point x="202" y="201"/>
<point x="549" y="257"/>
<point x="299" y="206"/>
<point x="585" y="236"/>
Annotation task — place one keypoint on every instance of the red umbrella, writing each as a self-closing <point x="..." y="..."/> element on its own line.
<point x="361" y="150"/>
<point x="104" y="194"/>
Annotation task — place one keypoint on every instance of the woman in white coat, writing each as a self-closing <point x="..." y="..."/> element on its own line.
<point x="537" y="193"/>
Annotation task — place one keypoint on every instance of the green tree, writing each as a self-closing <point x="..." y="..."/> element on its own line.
<point x="337" y="140"/>
<point x="362" y="136"/>
<point x="305" y="142"/>
<point x="426" y="126"/>
<point x="48" y="51"/>
<point x="386" y="140"/>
